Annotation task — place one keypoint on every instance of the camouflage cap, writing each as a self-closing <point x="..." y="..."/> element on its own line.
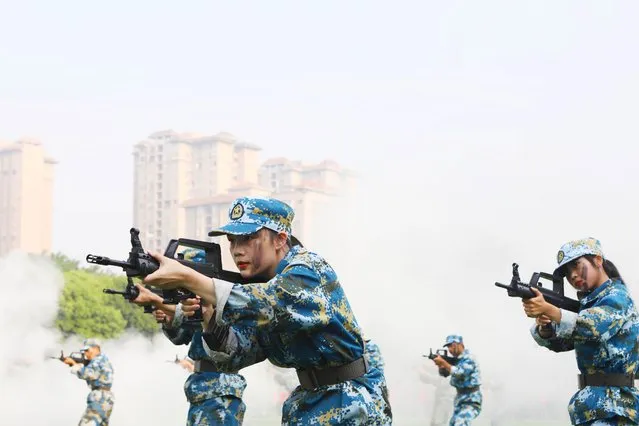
<point x="575" y="249"/>
<point x="250" y="214"/>
<point x="453" y="338"/>
<point x="88" y="343"/>
<point x="194" y="255"/>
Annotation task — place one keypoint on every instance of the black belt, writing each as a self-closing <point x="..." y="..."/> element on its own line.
<point x="312" y="378"/>
<point x="206" y="366"/>
<point x="464" y="391"/>
<point x="606" y="379"/>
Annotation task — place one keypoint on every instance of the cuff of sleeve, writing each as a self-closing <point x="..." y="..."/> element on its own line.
<point x="216" y="356"/>
<point x="567" y="325"/>
<point x="178" y="317"/>
<point x="75" y="368"/>
<point x="540" y="340"/>
<point x="222" y="292"/>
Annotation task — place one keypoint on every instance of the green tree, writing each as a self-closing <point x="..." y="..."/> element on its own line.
<point x="64" y="262"/>
<point x="133" y="314"/>
<point x="85" y="310"/>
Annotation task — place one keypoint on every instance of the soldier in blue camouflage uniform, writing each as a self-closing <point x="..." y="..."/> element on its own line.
<point x="98" y="374"/>
<point x="604" y="335"/>
<point x="465" y="378"/>
<point x="299" y="317"/>
<point x="214" y="390"/>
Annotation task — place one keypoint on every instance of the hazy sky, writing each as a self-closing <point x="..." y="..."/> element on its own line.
<point x="373" y="85"/>
<point x="486" y="133"/>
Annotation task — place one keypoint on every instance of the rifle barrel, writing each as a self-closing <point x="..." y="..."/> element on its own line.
<point x="110" y="291"/>
<point x="103" y="260"/>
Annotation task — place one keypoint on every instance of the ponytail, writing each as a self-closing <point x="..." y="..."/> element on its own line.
<point x="609" y="268"/>
<point x="612" y="270"/>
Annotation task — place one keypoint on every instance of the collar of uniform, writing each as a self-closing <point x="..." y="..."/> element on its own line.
<point x="596" y="293"/>
<point x="287" y="259"/>
<point x="97" y="357"/>
<point x="464" y="354"/>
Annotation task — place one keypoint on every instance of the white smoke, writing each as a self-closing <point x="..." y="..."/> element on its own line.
<point x="147" y="388"/>
<point x="417" y="251"/>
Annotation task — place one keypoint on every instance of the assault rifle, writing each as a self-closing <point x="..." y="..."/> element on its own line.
<point x="555" y="296"/>
<point x="140" y="264"/>
<point x="76" y="356"/>
<point x="131" y="292"/>
<point x="444" y="354"/>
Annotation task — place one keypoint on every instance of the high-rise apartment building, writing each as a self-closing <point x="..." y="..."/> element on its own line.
<point x="184" y="185"/>
<point x="171" y="169"/>
<point x="26" y="197"/>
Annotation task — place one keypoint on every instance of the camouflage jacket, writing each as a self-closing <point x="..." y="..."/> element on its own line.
<point x="98" y="373"/>
<point x="301" y="316"/>
<point x="604" y="335"/>
<point x="300" y="319"/>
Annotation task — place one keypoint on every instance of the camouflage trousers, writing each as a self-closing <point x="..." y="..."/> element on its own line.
<point x="362" y="401"/>
<point x="463" y="414"/>
<point x="99" y="408"/>
<point x="224" y="410"/>
<point x="613" y="421"/>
